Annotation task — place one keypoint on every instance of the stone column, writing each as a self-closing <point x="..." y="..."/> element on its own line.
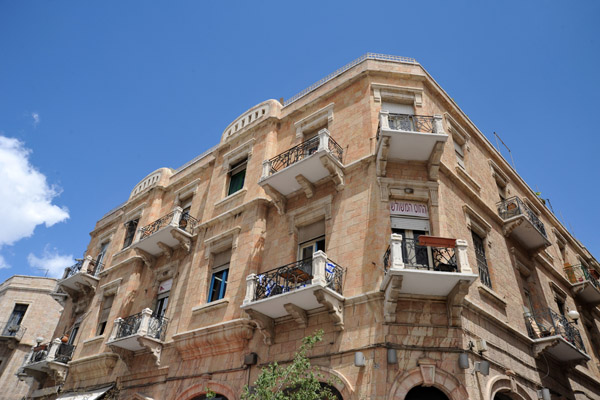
<point x="323" y="139"/>
<point x="461" y="257"/>
<point x="396" y="261"/>
<point x="318" y="268"/>
<point x="251" y="281"/>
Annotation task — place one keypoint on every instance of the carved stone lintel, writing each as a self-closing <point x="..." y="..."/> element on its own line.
<point x="147" y="258"/>
<point x="297" y="313"/>
<point x="427" y="366"/>
<point x="265" y="325"/>
<point x="153" y="346"/>
<point x="125" y="355"/>
<point x="433" y="164"/>
<point x="334" y="306"/>
<point x="382" y="154"/>
<point x="390" y="300"/>
<point x="278" y="199"/>
<point x="335" y="172"/>
<point x="167" y="251"/>
<point x="455" y="302"/>
<point x="183" y="240"/>
<point x="307" y="186"/>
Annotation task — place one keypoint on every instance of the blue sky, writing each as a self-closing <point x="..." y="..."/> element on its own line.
<point x="95" y="95"/>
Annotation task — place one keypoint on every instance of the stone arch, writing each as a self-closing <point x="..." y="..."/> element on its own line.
<point x="506" y="385"/>
<point x="200" y="389"/>
<point x="427" y="374"/>
<point x="342" y="384"/>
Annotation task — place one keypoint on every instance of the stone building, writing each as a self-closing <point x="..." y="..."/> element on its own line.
<point x="27" y="314"/>
<point x="368" y="206"/>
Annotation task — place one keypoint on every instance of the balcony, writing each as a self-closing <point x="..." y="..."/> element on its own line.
<point x="554" y="335"/>
<point x="302" y="166"/>
<point x="294" y="289"/>
<point x="585" y="285"/>
<point x="522" y="224"/>
<point x="48" y="359"/>
<point x="80" y="278"/>
<point x="430" y="266"/>
<point x="403" y="137"/>
<point x="11" y="333"/>
<point x="166" y="233"/>
<point x="138" y="332"/>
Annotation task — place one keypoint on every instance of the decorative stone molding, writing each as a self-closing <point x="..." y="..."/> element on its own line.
<point x="476" y="222"/>
<point x="222" y="338"/>
<point x="398" y="94"/>
<point x="427" y="373"/>
<point x="500" y="177"/>
<point x="242" y="151"/>
<point x="222" y="241"/>
<point x="250" y="118"/>
<point x="96" y="366"/>
<point x="111" y="288"/>
<point x="421" y="191"/>
<point x="207" y="384"/>
<point x="427" y="366"/>
<point x="313" y="120"/>
<point x="462" y="174"/>
<point x="265" y="325"/>
<point x="506" y="384"/>
<point x="158" y="177"/>
<point x="334" y="307"/>
<point x="310" y="213"/>
<point x="458" y="133"/>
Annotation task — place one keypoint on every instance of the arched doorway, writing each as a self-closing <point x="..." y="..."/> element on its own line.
<point x="217" y="397"/>
<point x="333" y="390"/>
<point x="425" y="393"/>
<point x="500" y="396"/>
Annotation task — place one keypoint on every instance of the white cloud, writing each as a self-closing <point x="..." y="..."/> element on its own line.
<point x="36" y="118"/>
<point x="25" y="196"/>
<point x="3" y="264"/>
<point x="52" y="261"/>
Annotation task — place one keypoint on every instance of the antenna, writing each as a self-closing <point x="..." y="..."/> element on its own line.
<point x="509" y="152"/>
<point x="46" y="270"/>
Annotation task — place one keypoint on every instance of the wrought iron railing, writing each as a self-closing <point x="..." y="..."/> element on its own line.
<point x="157" y="326"/>
<point x="302" y="151"/>
<point x="546" y="322"/>
<point x="418" y="256"/>
<point x="296" y="275"/>
<point x="412" y="123"/>
<point x="186" y="223"/>
<point x="48" y="352"/>
<point x="580" y="273"/>
<point x="93" y="268"/>
<point x="386" y="259"/>
<point x="10" y="329"/>
<point x="64" y="353"/>
<point x="514" y="207"/>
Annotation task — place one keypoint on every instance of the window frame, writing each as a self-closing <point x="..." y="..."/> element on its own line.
<point x="235" y="170"/>
<point x="103" y="319"/>
<point x="130" y="234"/>
<point x="485" y="276"/>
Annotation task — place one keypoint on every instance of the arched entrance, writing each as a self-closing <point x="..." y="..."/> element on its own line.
<point x="217" y="397"/>
<point x="500" y="396"/>
<point x="425" y="393"/>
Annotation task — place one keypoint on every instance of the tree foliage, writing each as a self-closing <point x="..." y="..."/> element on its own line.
<point x="298" y="380"/>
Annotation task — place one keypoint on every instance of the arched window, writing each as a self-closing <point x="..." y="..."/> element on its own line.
<point x="217" y="397"/>
<point x="425" y="393"/>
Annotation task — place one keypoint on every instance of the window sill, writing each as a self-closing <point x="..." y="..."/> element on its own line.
<point x="94" y="340"/>
<point x="462" y="173"/>
<point x="235" y="195"/>
<point x="214" y="305"/>
<point x="490" y="294"/>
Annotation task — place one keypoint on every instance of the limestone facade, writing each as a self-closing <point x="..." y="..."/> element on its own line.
<point x="27" y="313"/>
<point x="420" y="246"/>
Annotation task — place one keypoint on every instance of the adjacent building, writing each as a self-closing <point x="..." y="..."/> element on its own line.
<point x="368" y="206"/>
<point x="27" y="315"/>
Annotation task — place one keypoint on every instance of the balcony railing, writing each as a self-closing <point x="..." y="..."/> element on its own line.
<point x="514" y="207"/>
<point x="579" y="274"/>
<point x="546" y="323"/>
<point x="323" y="141"/>
<point x="143" y="323"/>
<point x="409" y="123"/>
<point x="10" y="329"/>
<point x="182" y="220"/>
<point x="418" y="254"/>
<point x="296" y="275"/>
<point x="54" y="351"/>
<point x="87" y="265"/>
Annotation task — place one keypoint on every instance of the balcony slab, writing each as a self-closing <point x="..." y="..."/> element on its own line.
<point x="408" y="145"/>
<point x="426" y="283"/>
<point x="559" y="348"/>
<point x="170" y="236"/>
<point x="79" y="282"/>
<point x="587" y="292"/>
<point x="521" y="229"/>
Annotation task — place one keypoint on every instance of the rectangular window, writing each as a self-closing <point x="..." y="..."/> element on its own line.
<point x="484" y="273"/>
<point x="104" y="313"/>
<point x="220" y="272"/>
<point x="14" y="322"/>
<point x="100" y="258"/>
<point x="73" y="334"/>
<point x="130" y="229"/>
<point x="237" y="175"/>
<point x="501" y="191"/>
<point x="162" y="298"/>
<point x="460" y="155"/>
<point x="185" y="214"/>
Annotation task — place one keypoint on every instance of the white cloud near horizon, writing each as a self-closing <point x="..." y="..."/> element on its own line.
<point x="25" y="196"/>
<point x="51" y="261"/>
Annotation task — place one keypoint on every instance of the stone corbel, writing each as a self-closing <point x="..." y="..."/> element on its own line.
<point x="455" y="302"/>
<point x="154" y="347"/>
<point x="307" y="186"/>
<point x="125" y="355"/>
<point x="58" y="372"/>
<point x="297" y="313"/>
<point x="265" y="325"/>
<point x="278" y="200"/>
<point x="539" y="348"/>
<point x="183" y="240"/>
<point x="335" y="172"/>
<point x="147" y="258"/>
<point x="167" y="251"/>
<point x="334" y="306"/>
<point x="391" y="295"/>
<point x="382" y="154"/>
<point x="433" y="164"/>
<point x="509" y="227"/>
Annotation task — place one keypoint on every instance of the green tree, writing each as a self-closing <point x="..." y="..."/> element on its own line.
<point x="298" y="380"/>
